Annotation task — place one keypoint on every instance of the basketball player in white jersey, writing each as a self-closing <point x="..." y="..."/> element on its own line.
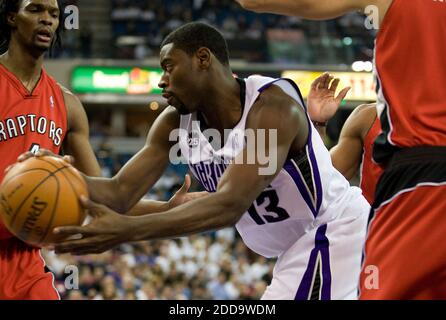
<point x="304" y="212"/>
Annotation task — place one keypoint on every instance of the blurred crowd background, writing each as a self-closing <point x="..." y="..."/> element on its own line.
<point x="215" y="265"/>
<point x="134" y="29"/>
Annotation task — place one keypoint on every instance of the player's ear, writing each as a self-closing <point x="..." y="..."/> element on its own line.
<point x="11" y="19"/>
<point x="204" y="57"/>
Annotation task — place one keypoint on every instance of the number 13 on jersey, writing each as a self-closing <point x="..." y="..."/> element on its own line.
<point x="275" y="213"/>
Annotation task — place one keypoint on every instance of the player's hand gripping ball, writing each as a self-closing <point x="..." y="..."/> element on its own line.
<point x="39" y="194"/>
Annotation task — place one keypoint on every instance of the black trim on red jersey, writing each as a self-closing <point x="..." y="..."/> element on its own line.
<point x="409" y="168"/>
<point x="382" y="148"/>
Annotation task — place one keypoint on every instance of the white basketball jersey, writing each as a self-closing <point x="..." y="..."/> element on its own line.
<point x="307" y="193"/>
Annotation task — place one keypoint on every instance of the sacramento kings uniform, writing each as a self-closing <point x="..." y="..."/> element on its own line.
<point x="309" y="216"/>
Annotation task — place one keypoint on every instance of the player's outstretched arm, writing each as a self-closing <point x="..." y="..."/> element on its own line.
<point x="347" y="154"/>
<point x="131" y="183"/>
<point x="238" y="188"/>
<point x="78" y="146"/>
<point x="310" y="9"/>
<point x="144" y="207"/>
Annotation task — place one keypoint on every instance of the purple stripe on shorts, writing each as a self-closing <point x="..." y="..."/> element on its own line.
<point x="323" y="243"/>
<point x="322" y="246"/>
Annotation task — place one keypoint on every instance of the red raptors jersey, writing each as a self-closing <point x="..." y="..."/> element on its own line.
<point x="370" y="170"/>
<point x="29" y="121"/>
<point x="411" y="70"/>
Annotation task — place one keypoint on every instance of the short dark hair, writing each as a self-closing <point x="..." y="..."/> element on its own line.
<point x="194" y="35"/>
<point x="12" y="6"/>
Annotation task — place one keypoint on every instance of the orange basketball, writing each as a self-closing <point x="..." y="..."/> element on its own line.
<point x="40" y="194"/>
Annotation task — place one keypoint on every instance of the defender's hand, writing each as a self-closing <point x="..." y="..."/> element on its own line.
<point x="322" y="103"/>
<point x="43" y="153"/>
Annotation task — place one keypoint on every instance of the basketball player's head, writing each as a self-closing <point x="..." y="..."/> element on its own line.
<point x="31" y="24"/>
<point x="191" y="57"/>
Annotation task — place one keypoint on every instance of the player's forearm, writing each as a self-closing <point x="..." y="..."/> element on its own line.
<point x="145" y="207"/>
<point x="107" y="192"/>
<point x="345" y="161"/>
<point x="212" y="212"/>
<point x="310" y="9"/>
<point x="285" y="7"/>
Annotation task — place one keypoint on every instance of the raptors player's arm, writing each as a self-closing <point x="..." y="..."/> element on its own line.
<point x="77" y="144"/>
<point x="347" y="154"/>
<point x="313" y="9"/>
<point x="239" y="186"/>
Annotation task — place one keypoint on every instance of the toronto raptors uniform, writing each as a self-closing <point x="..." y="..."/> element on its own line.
<point x="370" y="170"/>
<point x="28" y="122"/>
<point x="406" y="231"/>
<point x="309" y="216"/>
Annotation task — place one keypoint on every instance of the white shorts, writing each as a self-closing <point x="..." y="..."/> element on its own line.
<point x="325" y="263"/>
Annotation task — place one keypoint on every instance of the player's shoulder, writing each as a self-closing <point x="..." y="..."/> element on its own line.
<point x="171" y="113"/>
<point x="4" y="82"/>
<point x="71" y="100"/>
<point x="275" y="103"/>
<point x="361" y="120"/>
<point x="170" y="117"/>
<point x="76" y="117"/>
<point x="367" y="107"/>
<point x="364" y="113"/>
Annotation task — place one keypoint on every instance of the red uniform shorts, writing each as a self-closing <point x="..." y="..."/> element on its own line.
<point x="405" y="251"/>
<point x="23" y="275"/>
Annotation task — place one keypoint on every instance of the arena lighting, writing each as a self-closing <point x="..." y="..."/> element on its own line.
<point x="347" y="41"/>
<point x="358" y="66"/>
<point x="368" y="66"/>
<point x="361" y="66"/>
<point x="154" y="106"/>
